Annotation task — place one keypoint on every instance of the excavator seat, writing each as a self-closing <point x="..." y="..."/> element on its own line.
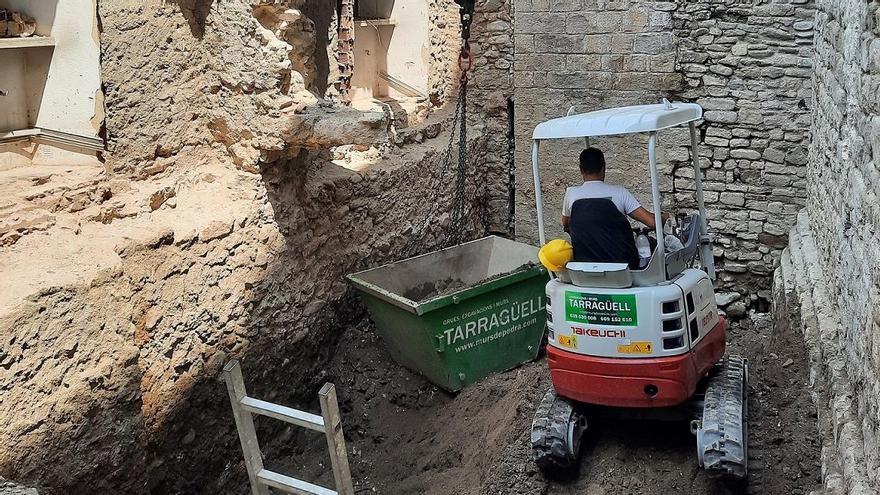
<point x="600" y="233"/>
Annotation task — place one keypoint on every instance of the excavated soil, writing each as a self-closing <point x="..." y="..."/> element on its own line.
<point x="431" y="290"/>
<point x="406" y="436"/>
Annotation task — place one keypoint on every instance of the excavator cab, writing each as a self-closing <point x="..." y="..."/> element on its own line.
<point x="639" y="333"/>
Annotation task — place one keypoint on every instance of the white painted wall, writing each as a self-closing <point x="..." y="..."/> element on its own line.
<point x="409" y="47"/>
<point x="401" y="50"/>
<point x="60" y="84"/>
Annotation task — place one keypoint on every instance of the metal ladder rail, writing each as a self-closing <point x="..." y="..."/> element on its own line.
<point x="244" y="407"/>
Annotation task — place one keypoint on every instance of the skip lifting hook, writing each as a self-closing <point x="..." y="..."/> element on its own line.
<point x="466" y="12"/>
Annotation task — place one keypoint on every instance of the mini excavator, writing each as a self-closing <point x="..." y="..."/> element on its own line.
<point x="645" y="343"/>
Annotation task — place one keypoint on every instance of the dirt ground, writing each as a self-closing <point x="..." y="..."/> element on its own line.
<point x="406" y="436"/>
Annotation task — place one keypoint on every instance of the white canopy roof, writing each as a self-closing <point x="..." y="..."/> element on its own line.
<point x="623" y="120"/>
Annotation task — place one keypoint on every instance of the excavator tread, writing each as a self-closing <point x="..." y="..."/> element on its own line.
<point x="723" y="435"/>
<point x="550" y="433"/>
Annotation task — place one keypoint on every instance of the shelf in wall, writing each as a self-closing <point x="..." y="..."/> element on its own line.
<point x="31" y="42"/>
<point x="375" y="22"/>
<point x="53" y="137"/>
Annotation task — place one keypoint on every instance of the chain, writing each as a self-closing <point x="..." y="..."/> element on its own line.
<point x="457" y="225"/>
<point x="460" y="212"/>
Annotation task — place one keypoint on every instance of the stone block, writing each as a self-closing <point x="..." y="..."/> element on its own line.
<point x="524" y="43"/>
<point x="539" y="61"/>
<point x="717" y="103"/>
<point x="621" y="43"/>
<point x="649" y="43"/>
<point x="540" y="5"/>
<point x="710" y="80"/>
<point x="539" y="23"/>
<point x="583" y="63"/>
<point x="745" y="154"/>
<point x="559" y="43"/>
<point x="774" y="155"/>
<point x="724" y="117"/>
<point x="565" y="5"/>
<point x="733" y="199"/>
<point x="660" y="20"/>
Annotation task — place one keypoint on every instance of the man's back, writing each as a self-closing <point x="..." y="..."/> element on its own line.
<point x="625" y="202"/>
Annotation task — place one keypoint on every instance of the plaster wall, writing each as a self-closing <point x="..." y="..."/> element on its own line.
<point x="12" y="80"/>
<point x="408" y="49"/>
<point x="402" y="50"/>
<point x="61" y="85"/>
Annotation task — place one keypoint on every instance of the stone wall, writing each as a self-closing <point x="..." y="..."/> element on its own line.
<point x="747" y="63"/>
<point x="804" y="300"/>
<point x="490" y="89"/>
<point x="590" y="55"/>
<point x="230" y="211"/>
<point x="841" y="221"/>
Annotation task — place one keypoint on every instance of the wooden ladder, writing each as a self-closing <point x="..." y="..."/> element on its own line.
<point x="243" y="407"/>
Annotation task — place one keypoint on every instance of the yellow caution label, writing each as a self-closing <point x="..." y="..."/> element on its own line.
<point x="567" y="341"/>
<point x="636" y="348"/>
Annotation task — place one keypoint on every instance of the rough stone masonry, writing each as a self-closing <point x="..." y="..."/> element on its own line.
<point x="829" y="281"/>
<point x="748" y="63"/>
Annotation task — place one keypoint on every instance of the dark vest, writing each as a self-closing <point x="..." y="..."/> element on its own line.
<point x="601" y="233"/>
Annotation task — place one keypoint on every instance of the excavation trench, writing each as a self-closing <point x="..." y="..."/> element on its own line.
<point x="407" y="436"/>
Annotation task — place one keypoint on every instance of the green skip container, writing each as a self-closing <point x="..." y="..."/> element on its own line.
<point x="462" y="313"/>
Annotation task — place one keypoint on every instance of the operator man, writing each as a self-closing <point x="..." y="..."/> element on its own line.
<point x="594" y="214"/>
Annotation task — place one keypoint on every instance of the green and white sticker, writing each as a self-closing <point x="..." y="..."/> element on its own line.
<point x="601" y="309"/>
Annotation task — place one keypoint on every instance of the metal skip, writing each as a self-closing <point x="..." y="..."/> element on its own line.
<point x="492" y="322"/>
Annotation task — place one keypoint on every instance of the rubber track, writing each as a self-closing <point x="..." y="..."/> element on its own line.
<point x="722" y="437"/>
<point x="549" y="432"/>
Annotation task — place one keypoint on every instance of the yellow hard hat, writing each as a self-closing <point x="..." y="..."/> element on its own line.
<point x="555" y="254"/>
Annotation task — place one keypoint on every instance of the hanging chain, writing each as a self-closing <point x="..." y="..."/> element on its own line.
<point x="457" y="221"/>
<point x="460" y="213"/>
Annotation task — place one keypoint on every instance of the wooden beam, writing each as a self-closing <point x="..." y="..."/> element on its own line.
<point x="245" y="424"/>
<point x="335" y="439"/>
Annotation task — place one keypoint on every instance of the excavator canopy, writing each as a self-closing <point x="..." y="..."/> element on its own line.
<point x="623" y="120"/>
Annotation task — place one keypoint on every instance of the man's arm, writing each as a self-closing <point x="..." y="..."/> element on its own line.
<point x="566" y="212"/>
<point x="646" y="217"/>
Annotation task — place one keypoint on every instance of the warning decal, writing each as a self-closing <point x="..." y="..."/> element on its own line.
<point x="636" y="348"/>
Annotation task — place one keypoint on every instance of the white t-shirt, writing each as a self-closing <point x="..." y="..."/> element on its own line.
<point x="624" y="200"/>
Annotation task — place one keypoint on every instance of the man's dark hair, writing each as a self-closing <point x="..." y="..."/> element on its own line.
<point x="592" y="161"/>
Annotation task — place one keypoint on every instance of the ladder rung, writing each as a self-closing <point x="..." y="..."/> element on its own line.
<point x="291" y="485"/>
<point x="288" y="414"/>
